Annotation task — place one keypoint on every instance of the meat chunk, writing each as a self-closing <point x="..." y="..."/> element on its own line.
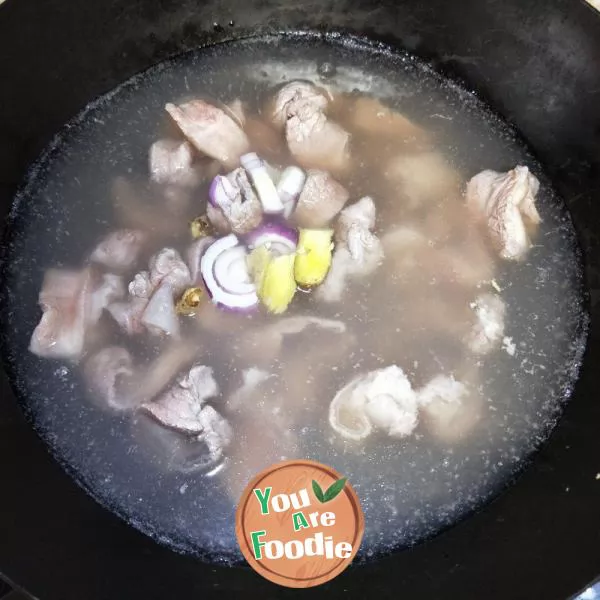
<point x="169" y="276"/>
<point x="140" y="207"/>
<point x="128" y="314"/>
<point x="489" y="329"/>
<point x="264" y="344"/>
<point x="119" y="250"/>
<point x="382" y="399"/>
<point x="471" y="262"/>
<point x="372" y="117"/>
<point x="413" y="259"/>
<point x="107" y="374"/>
<point x="313" y="140"/>
<point x="167" y="267"/>
<point x="436" y="280"/>
<point x="265" y="139"/>
<point x="216" y="434"/>
<point x="422" y="178"/>
<point x="160" y="316"/>
<point x="210" y="130"/>
<point x="403" y="246"/>
<point x="183" y="408"/>
<point x="272" y="396"/>
<point x="236" y="111"/>
<point x="446" y="249"/>
<point x="61" y="330"/>
<point x="467" y="252"/>
<point x="109" y="289"/>
<point x="320" y="200"/>
<point x="239" y="209"/>
<point x="360" y="215"/>
<point x="450" y="408"/>
<point x="257" y="445"/>
<point x="293" y="96"/>
<point x="175" y="172"/>
<point x="141" y="286"/>
<point x="318" y="142"/>
<point x="310" y="350"/>
<point x="358" y="250"/>
<point x="252" y="378"/>
<point x="172" y="450"/>
<point x="71" y="302"/>
<point x="441" y="388"/>
<point x="151" y="303"/>
<point x="155" y="377"/>
<point x="506" y="202"/>
<point x="170" y="162"/>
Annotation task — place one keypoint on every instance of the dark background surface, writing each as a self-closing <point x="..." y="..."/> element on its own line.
<point x="538" y="63"/>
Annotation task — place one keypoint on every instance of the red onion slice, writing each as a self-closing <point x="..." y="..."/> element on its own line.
<point x="265" y="188"/>
<point x="224" y="271"/>
<point x="289" y="187"/>
<point x="277" y="236"/>
<point x="221" y="193"/>
<point x="231" y="272"/>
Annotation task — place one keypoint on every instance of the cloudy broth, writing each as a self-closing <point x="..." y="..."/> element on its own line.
<point x="411" y="313"/>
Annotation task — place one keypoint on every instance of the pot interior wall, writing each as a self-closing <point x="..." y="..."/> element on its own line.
<point x="537" y="64"/>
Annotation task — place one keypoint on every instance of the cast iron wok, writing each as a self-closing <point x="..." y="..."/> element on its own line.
<point x="538" y="66"/>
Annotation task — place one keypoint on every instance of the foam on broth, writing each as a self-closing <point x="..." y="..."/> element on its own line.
<point x="409" y="488"/>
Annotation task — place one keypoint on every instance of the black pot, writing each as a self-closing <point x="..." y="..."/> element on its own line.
<point x="536" y="63"/>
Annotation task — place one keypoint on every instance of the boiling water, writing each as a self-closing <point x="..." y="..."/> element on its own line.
<point x="410" y="488"/>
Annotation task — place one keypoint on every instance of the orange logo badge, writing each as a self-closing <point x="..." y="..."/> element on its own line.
<point x="299" y="523"/>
